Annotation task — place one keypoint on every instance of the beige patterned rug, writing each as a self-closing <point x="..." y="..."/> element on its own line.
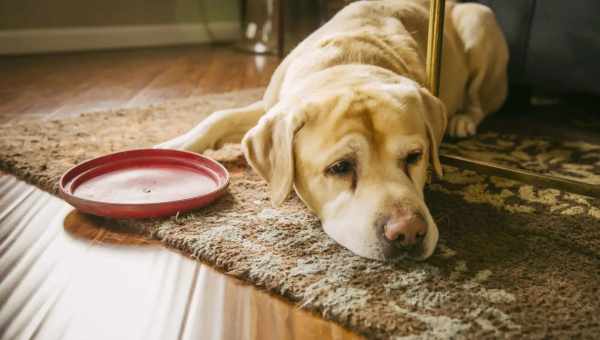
<point x="514" y="261"/>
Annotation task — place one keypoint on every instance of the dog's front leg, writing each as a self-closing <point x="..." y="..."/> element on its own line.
<point x="487" y="57"/>
<point x="227" y="126"/>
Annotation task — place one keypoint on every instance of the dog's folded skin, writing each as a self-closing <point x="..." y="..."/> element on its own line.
<point x="346" y="120"/>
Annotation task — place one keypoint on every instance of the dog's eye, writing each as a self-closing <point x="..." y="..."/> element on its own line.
<point x="340" y="168"/>
<point x="413" y="157"/>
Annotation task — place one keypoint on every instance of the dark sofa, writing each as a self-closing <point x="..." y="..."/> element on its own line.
<point x="554" y="44"/>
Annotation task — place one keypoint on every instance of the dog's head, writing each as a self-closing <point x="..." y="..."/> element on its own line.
<point x="358" y="157"/>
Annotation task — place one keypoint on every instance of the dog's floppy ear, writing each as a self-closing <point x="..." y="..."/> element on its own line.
<point x="268" y="148"/>
<point x="436" y="120"/>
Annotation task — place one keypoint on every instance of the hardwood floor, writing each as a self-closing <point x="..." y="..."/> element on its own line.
<point x="66" y="276"/>
<point x="53" y="85"/>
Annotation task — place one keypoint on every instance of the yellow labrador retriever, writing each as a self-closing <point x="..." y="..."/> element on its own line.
<point x="346" y="120"/>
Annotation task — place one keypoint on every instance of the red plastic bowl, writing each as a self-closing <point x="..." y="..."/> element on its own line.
<point x="144" y="183"/>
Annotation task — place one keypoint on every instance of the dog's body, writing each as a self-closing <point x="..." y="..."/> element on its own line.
<point x="346" y="121"/>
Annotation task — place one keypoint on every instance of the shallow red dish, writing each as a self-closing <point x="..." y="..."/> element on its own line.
<point x="144" y="183"/>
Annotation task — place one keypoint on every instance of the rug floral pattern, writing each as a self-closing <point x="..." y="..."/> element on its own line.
<point x="576" y="160"/>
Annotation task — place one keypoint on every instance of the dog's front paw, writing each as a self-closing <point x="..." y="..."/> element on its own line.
<point x="461" y="126"/>
<point x="165" y="145"/>
<point x="175" y="143"/>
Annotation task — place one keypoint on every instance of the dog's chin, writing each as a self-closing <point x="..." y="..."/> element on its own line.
<point x="372" y="251"/>
<point x="385" y="252"/>
<point x="392" y="254"/>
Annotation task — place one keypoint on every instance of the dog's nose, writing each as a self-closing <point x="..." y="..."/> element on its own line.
<point x="405" y="229"/>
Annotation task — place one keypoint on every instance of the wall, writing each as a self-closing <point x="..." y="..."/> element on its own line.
<point x="35" y="14"/>
<point x="35" y="26"/>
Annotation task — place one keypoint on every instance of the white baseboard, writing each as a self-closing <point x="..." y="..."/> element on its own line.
<point x="97" y="38"/>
